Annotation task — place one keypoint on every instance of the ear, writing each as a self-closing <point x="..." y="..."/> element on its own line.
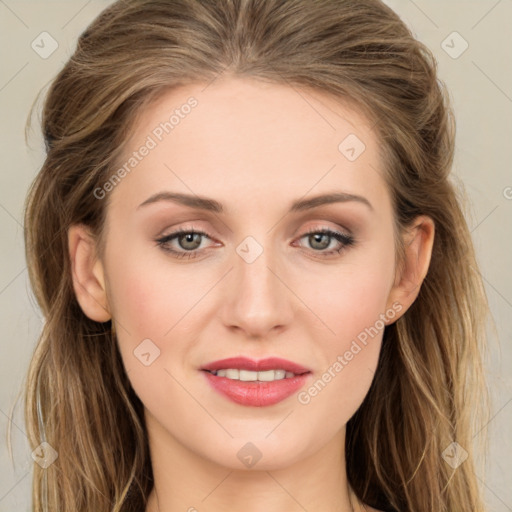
<point x="418" y="243"/>
<point x="87" y="274"/>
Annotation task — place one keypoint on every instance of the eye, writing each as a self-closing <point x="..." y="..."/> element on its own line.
<point x="321" y="239"/>
<point x="188" y="241"/>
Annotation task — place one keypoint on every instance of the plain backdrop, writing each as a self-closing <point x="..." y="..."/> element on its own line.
<point x="471" y="41"/>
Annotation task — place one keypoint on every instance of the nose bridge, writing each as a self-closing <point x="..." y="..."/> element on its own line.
<point x="258" y="300"/>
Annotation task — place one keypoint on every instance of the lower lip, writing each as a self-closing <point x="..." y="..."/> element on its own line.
<point x="256" y="393"/>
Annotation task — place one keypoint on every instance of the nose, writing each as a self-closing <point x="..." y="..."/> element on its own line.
<point x="258" y="301"/>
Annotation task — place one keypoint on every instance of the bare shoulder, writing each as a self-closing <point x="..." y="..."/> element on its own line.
<point x="370" y="509"/>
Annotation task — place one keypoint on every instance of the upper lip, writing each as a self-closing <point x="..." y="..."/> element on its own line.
<point x="244" y="363"/>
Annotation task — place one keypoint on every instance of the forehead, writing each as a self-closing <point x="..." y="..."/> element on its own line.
<point x="250" y="137"/>
<point x="251" y="112"/>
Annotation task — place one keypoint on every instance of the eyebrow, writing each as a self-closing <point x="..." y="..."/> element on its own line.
<point x="205" y="203"/>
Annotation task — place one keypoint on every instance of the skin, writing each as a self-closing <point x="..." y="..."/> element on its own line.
<point x="255" y="147"/>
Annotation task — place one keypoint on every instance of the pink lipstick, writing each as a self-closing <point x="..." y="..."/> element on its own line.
<point x="256" y="383"/>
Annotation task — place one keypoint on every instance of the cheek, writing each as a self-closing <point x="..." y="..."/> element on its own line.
<point x="150" y="297"/>
<point x="353" y="315"/>
<point x="352" y="303"/>
<point x="139" y="306"/>
<point x="352" y="298"/>
<point x="152" y="300"/>
<point x="147" y="311"/>
<point x="364" y="299"/>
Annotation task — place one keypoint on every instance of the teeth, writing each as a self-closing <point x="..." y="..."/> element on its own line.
<point x="271" y="375"/>
<point x="247" y="375"/>
<point x="232" y="374"/>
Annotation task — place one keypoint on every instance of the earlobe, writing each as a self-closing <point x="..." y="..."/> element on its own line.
<point x="87" y="274"/>
<point x="418" y="244"/>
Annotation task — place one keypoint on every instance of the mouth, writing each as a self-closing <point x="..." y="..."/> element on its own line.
<point x="253" y="376"/>
<point x="256" y="383"/>
<point x="253" y="365"/>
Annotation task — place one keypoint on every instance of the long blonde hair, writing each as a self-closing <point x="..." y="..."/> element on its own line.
<point x="428" y="389"/>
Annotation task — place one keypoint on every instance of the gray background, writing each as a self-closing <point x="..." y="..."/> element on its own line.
<point x="480" y="85"/>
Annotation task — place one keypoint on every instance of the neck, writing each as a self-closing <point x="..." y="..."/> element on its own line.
<point x="185" y="481"/>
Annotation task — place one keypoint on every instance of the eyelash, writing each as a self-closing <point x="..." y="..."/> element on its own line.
<point x="345" y="240"/>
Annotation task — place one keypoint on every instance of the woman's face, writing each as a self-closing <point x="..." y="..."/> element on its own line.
<point x="247" y="160"/>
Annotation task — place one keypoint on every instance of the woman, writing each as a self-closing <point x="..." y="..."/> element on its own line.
<point x="259" y="285"/>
